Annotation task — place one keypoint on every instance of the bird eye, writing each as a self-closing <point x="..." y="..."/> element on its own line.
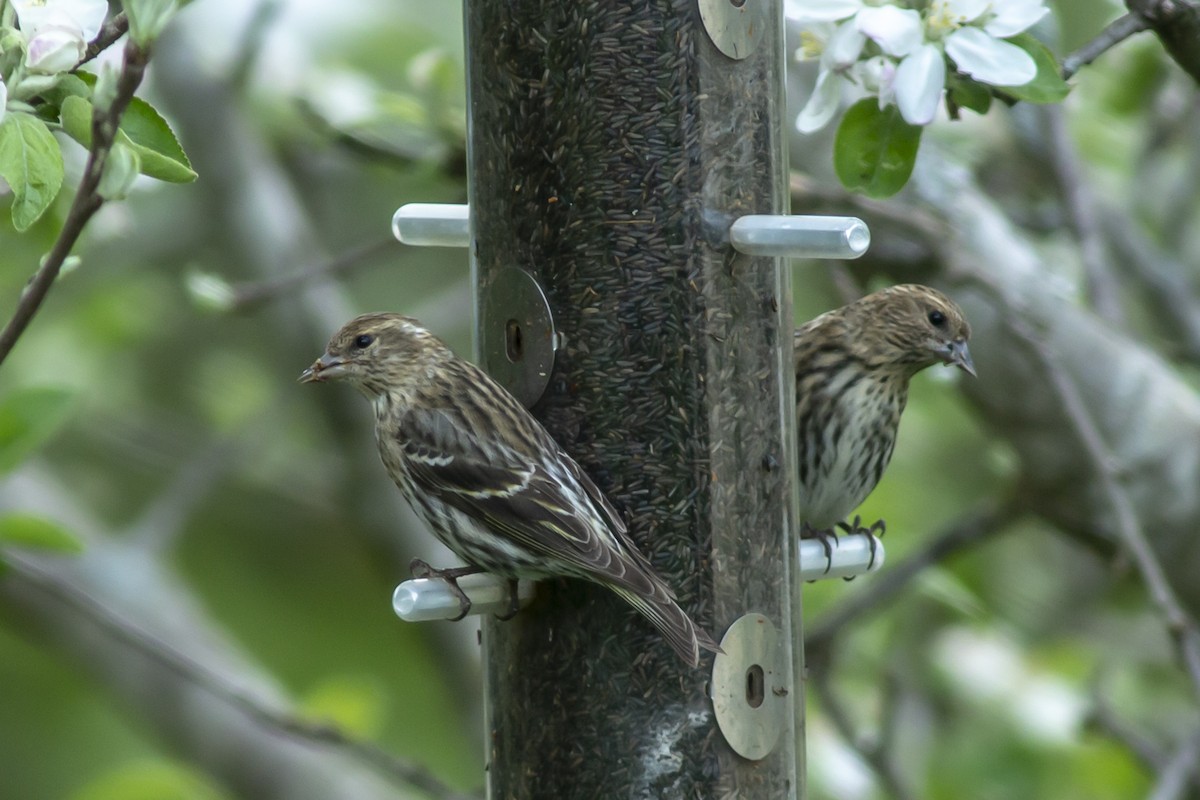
<point x="937" y="318"/>
<point x="363" y="340"/>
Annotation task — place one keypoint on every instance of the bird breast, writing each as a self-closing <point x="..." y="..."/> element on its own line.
<point x="847" y="433"/>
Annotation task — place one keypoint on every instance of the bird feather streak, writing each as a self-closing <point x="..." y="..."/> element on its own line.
<point x="487" y="478"/>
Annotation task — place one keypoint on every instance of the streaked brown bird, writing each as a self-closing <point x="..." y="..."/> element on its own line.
<point x="487" y="478"/>
<point x="853" y="365"/>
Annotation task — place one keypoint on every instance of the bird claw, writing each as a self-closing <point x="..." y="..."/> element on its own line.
<point x="823" y="536"/>
<point x="421" y="569"/>
<point x="514" y="602"/>
<point x="876" y="529"/>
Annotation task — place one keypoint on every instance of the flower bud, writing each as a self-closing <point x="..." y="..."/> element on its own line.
<point x="120" y="170"/>
<point x="55" y="48"/>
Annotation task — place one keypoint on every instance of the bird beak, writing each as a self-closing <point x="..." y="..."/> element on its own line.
<point x="958" y="355"/>
<point x="324" y="368"/>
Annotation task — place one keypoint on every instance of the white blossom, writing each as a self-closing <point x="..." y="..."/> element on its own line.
<point x="85" y="15"/>
<point x="57" y="31"/>
<point x="910" y="68"/>
<point x="55" y="48"/>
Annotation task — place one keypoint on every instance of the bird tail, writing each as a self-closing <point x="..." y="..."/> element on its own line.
<point x="657" y="606"/>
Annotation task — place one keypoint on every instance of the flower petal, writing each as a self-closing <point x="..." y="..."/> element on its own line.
<point x="919" y="81"/>
<point x="820" y="10"/>
<point x="814" y="40"/>
<point x="963" y="11"/>
<point x="898" y="31"/>
<point x="55" y="48"/>
<point x="87" y="15"/>
<point x="844" y="46"/>
<point x="878" y="76"/>
<point x="821" y="105"/>
<point x="990" y="60"/>
<point x="1014" y="16"/>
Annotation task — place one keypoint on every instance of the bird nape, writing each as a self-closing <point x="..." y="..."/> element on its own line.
<point x="853" y="366"/>
<point x="487" y="478"/>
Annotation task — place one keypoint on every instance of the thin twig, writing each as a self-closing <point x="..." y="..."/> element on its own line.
<point x="1164" y="278"/>
<point x="1099" y="275"/>
<point x="163" y="520"/>
<point x="248" y="295"/>
<point x="1105" y="718"/>
<point x="216" y="684"/>
<point x="1177" y="774"/>
<point x="1177" y="25"/>
<point x="875" y="756"/>
<point x="114" y="28"/>
<point x="974" y="528"/>
<point x="1117" y="31"/>
<point x="87" y="199"/>
<point x="1179" y="624"/>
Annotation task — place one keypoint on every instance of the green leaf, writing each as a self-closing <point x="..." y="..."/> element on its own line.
<point x="147" y="18"/>
<point x="28" y="418"/>
<point x="26" y="530"/>
<point x="963" y="92"/>
<point x="143" y="130"/>
<point x="875" y="149"/>
<point x="76" y="119"/>
<point x="156" y="144"/>
<point x="1048" y="85"/>
<point x="120" y="171"/>
<point x="31" y="162"/>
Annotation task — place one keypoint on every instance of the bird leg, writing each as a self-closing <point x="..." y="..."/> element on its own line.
<point x="421" y="569"/>
<point x="823" y="536"/>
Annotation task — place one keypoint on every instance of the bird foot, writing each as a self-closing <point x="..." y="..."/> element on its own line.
<point x="877" y="529"/>
<point x="823" y="536"/>
<point x="514" y="602"/>
<point x="421" y="569"/>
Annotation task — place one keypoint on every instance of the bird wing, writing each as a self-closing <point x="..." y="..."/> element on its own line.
<point x="521" y="500"/>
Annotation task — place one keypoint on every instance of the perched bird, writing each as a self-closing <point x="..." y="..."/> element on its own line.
<point x="853" y="365"/>
<point x="487" y="477"/>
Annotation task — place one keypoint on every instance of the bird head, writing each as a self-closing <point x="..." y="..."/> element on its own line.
<point x="377" y="353"/>
<point x="916" y="327"/>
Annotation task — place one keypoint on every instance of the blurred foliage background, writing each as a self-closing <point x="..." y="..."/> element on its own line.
<point x="245" y="521"/>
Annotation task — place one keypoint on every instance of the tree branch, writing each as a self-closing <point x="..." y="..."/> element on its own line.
<point x="973" y="529"/>
<point x="1177" y="25"/>
<point x="218" y="685"/>
<point x="114" y="28"/>
<point x="157" y="651"/>
<point x="1179" y="771"/>
<point x="250" y="295"/>
<point x="874" y="754"/>
<point x="1117" y="31"/>
<point x="1100" y="277"/>
<point x="87" y="199"/>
